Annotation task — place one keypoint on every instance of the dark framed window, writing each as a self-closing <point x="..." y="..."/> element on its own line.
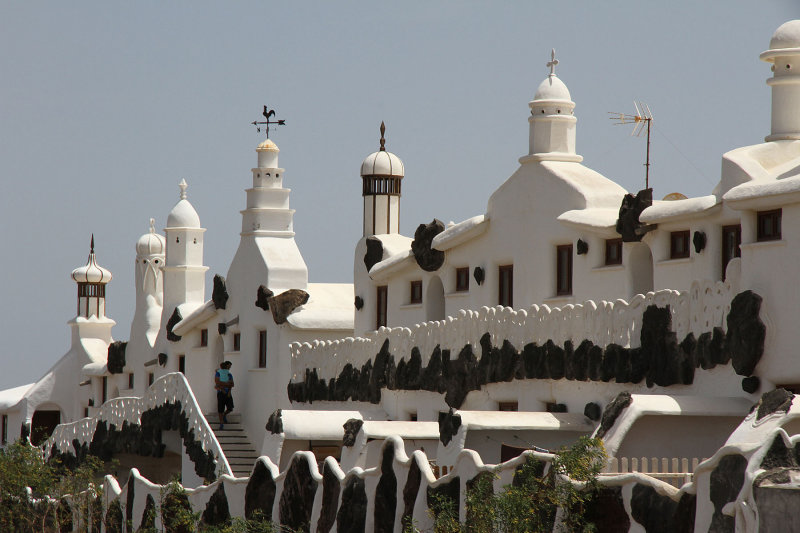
<point x="203" y="337"/>
<point x="237" y="341"/>
<point x="4" y="430"/>
<point x="731" y="242"/>
<point x="613" y="251"/>
<point x="415" y="296"/>
<point x="564" y="270"/>
<point x="505" y="292"/>
<point x="130" y="380"/>
<point x="182" y="364"/>
<point x="104" y="390"/>
<point x="262" y="349"/>
<point x="380" y="311"/>
<point x="150" y="378"/>
<point x="462" y="279"/>
<point x="508" y="406"/>
<point x="679" y="244"/>
<point x="768" y="225"/>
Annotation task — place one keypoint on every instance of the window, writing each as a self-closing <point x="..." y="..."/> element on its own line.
<point x="104" y="391"/>
<point x="182" y="364"/>
<point x="505" y="294"/>
<point x="769" y="225"/>
<point x="262" y="349"/>
<point x="130" y="380"/>
<point x="613" y="251"/>
<point x="380" y="314"/>
<point x="416" y="292"/>
<point x="564" y="270"/>
<point x="150" y="378"/>
<point x="508" y="406"/>
<point x="462" y="279"/>
<point x="679" y="244"/>
<point x="237" y="342"/>
<point x="203" y="337"/>
<point x="731" y="240"/>
<point x="85" y="412"/>
<point x="412" y="416"/>
<point x="4" y="430"/>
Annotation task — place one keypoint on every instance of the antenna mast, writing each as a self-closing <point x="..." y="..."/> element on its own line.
<point x="641" y="121"/>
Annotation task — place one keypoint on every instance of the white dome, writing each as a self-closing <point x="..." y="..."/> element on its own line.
<point x="268" y="146"/>
<point x="786" y="36"/>
<point x="382" y="163"/>
<point x="183" y="214"/>
<point x="151" y="243"/>
<point x="552" y="88"/>
<point x="91" y="272"/>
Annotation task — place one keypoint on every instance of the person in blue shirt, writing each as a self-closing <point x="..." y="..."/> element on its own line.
<point x="223" y="383"/>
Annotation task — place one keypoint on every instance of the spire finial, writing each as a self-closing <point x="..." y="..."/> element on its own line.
<point x="553" y="62"/>
<point x="152" y="225"/>
<point x="383" y="140"/>
<point x="183" y="187"/>
<point x="91" y="245"/>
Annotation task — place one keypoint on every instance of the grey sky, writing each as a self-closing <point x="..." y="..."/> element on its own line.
<point x="104" y="107"/>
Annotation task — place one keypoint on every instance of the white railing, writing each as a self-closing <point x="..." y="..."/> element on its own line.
<point x="676" y="470"/>
<point x="698" y="310"/>
<point x="170" y="388"/>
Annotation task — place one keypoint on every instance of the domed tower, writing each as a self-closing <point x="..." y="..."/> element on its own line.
<point x="150" y="257"/>
<point x="91" y="279"/>
<point x="552" y="122"/>
<point x="381" y="175"/>
<point x="184" y="273"/>
<point x="784" y="54"/>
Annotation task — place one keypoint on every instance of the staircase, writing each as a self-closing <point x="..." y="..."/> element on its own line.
<point x="239" y="452"/>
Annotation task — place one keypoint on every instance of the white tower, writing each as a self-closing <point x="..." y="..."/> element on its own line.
<point x="184" y="273"/>
<point x="552" y="123"/>
<point x="784" y="54"/>
<point x="91" y="321"/>
<point x="381" y="175"/>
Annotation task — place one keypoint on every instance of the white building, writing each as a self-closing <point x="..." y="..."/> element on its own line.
<point x="566" y="294"/>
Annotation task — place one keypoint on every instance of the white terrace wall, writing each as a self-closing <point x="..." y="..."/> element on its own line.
<point x="698" y="310"/>
<point x="170" y="388"/>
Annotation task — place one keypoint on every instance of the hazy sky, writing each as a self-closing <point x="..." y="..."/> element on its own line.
<point x="105" y="106"/>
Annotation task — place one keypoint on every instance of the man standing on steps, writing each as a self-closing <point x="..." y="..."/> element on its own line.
<point x="223" y="382"/>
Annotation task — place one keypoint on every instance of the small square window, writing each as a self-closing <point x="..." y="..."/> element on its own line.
<point x="769" y="225"/>
<point x="613" y="251"/>
<point x="416" y="292"/>
<point x="462" y="279"/>
<point x="564" y="270"/>
<point x="679" y="244"/>
<point x="203" y="337"/>
<point x="382" y="306"/>
<point x="508" y="406"/>
<point x="237" y="342"/>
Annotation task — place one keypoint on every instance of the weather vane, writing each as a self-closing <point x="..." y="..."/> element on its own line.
<point x="641" y="120"/>
<point x="268" y="113"/>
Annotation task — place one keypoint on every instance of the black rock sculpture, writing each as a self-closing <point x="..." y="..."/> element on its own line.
<point x="116" y="357"/>
<point x="216" y="512"/>
<point x="449" y="423"/>
<point x="751" y="384"/>
<point x="628" y="225"/>
<point x="275" y="422"/>
<point x="285" y="303"/>
<point x="351" y="429"/>
<point x="479" y="275"/>
<point x="374" y="253"/>
<point x="162" y="359"/>
<point x="427" y="258"/>
<point x="262" y="297"/>
<point x="582" y="247"/>
<point x="777" y="400"/>
<point x="359" y="303"/>
<point x="746" y="332"/>
<point x="612" y="412"/>
<point x="699" y="241"/>
<point x="260" y="493"/>
<point x="173" y="320"/>
<point x="297" y="498"/>
<point x="220" y="293"/>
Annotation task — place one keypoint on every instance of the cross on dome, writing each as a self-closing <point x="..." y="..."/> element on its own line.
<point x="183" y="187"/>
<point x="553" y="62"/>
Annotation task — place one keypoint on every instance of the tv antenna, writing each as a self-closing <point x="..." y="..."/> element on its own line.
<point x="641" y="121"/>
<point x="268" y="113"/>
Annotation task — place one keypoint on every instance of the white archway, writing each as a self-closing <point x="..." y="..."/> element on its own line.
<point x="640" y="269"/>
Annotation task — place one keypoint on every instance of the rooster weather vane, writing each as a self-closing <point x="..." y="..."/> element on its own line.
<point x="268" y="113"/>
